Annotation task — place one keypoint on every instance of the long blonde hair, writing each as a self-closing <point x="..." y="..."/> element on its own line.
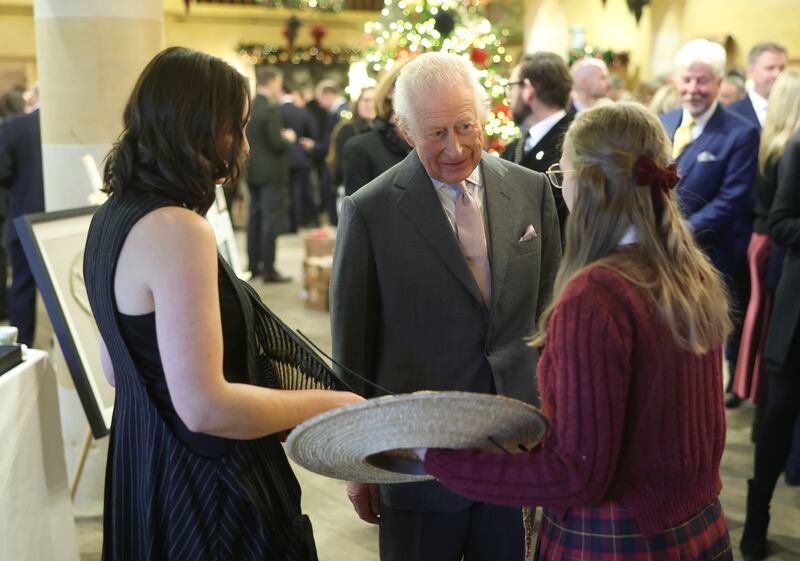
<point x="783" y="118"/>
<point x="604" y="144"/>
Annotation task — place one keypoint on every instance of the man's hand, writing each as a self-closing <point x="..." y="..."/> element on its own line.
<point x="365" y="499"/>
<point x="307" y="143"/>
<point x="289" y="135"/>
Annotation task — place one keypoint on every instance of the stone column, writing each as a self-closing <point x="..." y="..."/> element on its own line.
<point x="546" y="27"/>
<point x="89" y="55"/>
<point x="666" y="20"/>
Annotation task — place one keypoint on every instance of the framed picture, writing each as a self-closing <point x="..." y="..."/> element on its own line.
<point x="53" y="243"/>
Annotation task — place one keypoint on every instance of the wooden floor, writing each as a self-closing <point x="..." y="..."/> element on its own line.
<point x="342" y="537"/>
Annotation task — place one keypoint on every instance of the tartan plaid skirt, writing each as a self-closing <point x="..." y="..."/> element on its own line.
<point x="608" y="532"/>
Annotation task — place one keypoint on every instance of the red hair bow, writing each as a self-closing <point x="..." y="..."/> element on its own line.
<point x="660" y="180"/>
<point x="647" y="172"/>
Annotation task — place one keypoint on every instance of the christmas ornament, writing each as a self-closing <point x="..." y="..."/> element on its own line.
<point x="318" y="32"/>
<point x="445" y="23"/>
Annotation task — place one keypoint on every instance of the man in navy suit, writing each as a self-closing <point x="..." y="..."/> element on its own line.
<point x="765" y="63"/>
<point x="717" y="156"/>
<point x="21" y="173"/>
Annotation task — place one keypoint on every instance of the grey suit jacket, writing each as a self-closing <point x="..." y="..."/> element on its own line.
<point x="406" y="311"/>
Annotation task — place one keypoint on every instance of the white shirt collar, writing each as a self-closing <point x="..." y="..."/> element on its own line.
<point x="540" y="129"/>
<point x="474" y="178"/>
<point x="701" y="120"/>
<point x="630" y="237"/>
<point x="759" y="105"/>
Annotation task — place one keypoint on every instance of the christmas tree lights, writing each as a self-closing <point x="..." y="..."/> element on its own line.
<point x="410" y="27"/>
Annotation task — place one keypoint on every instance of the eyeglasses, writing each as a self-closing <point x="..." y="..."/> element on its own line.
<point x="509" y="85"/>
<point x="556" y="175"/>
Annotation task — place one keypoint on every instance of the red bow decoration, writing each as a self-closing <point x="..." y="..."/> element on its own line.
<point x="660" y="180"/>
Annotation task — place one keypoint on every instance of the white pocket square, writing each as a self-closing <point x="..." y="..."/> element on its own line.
<point x="706" y="157"/>
<point x="530" y="233"/>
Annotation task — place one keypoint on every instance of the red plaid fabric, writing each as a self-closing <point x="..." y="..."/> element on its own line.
<point x="608" y="532"/>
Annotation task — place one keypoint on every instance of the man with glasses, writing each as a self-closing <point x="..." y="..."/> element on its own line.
<point x="538" y="94"/>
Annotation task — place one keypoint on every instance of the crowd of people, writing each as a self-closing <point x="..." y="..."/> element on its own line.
<point x="602" y="269"/>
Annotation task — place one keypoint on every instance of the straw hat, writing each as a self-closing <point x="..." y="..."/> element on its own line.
<point x="371" y="442"/>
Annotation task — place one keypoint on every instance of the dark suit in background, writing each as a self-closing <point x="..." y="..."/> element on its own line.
<point x="366" y="156"/>
<point x="717" y="171"/>
<point x="319" y="153"/>
<point x="541" y="156"/>
<point x="21" y="173"/>
<point x="744" y="108"/>
<point x="302" y="122"/>
<point x="781" y="351"/>
<point x="407" y="313"/>
<point x="268" y="180"/>
<point x="716" y="194"/>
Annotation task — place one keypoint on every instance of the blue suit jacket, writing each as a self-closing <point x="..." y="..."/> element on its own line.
<point x="744" y="108"/>
<point x="21" y="167"/>
<point x="717" y="171"/>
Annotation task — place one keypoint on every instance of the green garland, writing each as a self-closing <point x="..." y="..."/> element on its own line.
<point x="258" y="53"/>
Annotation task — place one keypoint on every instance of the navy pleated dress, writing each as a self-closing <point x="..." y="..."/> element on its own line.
<point x="171" y="494"/>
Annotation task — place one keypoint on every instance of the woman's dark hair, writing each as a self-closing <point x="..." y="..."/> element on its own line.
<point x="176" y="124"/>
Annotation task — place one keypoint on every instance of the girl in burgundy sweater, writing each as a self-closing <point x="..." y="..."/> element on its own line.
<point x="630" y="375"/>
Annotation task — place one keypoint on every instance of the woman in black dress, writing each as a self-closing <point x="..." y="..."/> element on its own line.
<point x="195" y="467"/>
<point x="366" y="156"/>
<point x="782" y="346"/>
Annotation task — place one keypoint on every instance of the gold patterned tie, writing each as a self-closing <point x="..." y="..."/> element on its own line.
<point x="683" y="137"/>
<point x="472" y="238"/>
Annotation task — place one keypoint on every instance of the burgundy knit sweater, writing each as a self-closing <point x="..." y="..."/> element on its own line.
<point x="634" y="417"/>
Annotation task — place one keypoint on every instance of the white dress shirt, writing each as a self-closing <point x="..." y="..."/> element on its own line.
<point x="760" y="106"/>
<point x="700" y="121"/>
<point x="537" y="131"/>
<point x="447" y="196"/>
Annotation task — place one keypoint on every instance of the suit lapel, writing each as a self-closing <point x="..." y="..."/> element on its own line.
<point x="688" y="158"/>
<point x="501" y="222"/>
<point x="417" y="199"/>
<point x="671" y="122"/>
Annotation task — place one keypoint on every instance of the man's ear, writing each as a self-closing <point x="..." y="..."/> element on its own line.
<point x="405" y="134"/>
<point x="528" y="91"/>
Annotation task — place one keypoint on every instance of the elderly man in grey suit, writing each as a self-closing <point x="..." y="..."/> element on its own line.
<point x="442" y="266"/>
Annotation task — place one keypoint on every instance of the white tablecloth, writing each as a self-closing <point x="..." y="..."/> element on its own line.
<point x="36" y="521"/>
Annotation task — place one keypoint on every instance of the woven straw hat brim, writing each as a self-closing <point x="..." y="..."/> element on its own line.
<point x="352" y="442"/>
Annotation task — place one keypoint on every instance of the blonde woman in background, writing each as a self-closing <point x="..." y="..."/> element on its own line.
<point x="664" y="100"/>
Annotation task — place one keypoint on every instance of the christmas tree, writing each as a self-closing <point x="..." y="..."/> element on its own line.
<point x="410" y="27"/>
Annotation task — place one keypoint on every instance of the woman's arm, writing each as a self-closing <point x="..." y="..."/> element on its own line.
<point x="105" y="362"/>
<point x="586" y="395"/>
<point x="182" y="276"/>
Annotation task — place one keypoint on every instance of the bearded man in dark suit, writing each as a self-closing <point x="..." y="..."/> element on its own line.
<point x="538" y="93"/>
<point x="443" y="264"/>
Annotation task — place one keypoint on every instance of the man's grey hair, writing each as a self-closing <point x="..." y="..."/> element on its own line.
<point x="765" y="47"/>
<point x="704" y="52"/>
<point x="431" y="72"/>
<point x="737" y="81"/>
